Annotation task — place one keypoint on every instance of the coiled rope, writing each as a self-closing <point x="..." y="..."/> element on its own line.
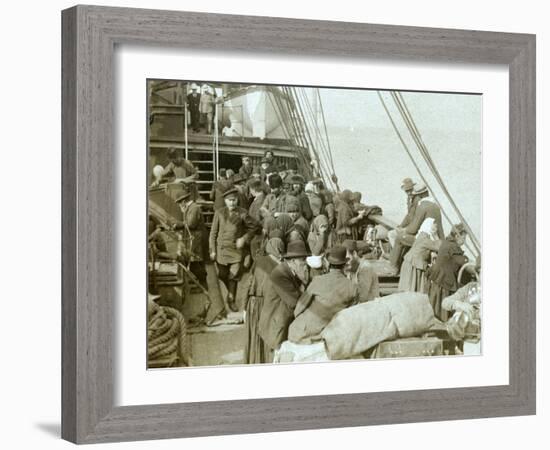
<point x="166" y="337"/>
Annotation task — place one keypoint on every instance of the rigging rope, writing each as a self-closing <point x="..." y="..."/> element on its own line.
<point x="308" y="135"/>
<point x="409" y="121"/>
<point x="415" y="164"/>
<point x="326" y="153"/>
<point x="300" y="121"/>
<point x="297" y="136"/>
<point x="325" y="127"/>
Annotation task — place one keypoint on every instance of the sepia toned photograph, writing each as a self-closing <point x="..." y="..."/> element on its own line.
<point x="299" y="224"/>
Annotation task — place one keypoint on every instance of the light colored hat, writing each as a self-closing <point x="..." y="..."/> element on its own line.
<point x="315" y="261"/>
<point x="407" y="184"/>
<point x="420" y="189"/>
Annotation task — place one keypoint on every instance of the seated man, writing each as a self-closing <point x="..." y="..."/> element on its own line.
<point x="325" y="296"/>
<point x="360" y="271"/>
<point x="180" y="170"/>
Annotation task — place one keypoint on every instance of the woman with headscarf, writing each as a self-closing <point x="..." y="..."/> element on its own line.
<point x="443" y="275"/>
<point x="413" y="277"/>
<point x="256" y="350"/>
<point x="319" y="236"/>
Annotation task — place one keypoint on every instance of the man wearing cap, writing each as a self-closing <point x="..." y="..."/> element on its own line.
<point x="218" y="188"/>
<point x="425" y="208"/>
<point x="232" y="228"/>
<point x="407" y="185"/>
<point x="193" y="230"/>
<point x="300" y="227"/>
<point x="286" y="283"/>
<point x="193" y="104"/>
<point x="324" y="297"/>
<point x="239" y="182"/>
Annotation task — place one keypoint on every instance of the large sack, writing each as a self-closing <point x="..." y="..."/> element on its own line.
<point x="356" y="329"/>
<point x="411" y="312"/>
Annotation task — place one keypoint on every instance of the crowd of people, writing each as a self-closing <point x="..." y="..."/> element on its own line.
<point x="309" y="251"/>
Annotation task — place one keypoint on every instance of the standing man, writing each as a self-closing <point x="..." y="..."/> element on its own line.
<point x="425" y="208"/>
<point x="193" y="104"/>
<point x="194" y="236"/>
<point x="325" y="296"/>
<point x="232" y="229"/>
<point x="407" y="185"/>
<point x="206" y="108"/>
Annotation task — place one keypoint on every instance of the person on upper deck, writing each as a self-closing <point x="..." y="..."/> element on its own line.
<point x="193" y="104"/>
<point x="206" y="108"/>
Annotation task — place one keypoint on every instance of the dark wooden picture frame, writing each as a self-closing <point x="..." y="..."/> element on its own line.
<point x="90" y="34"/>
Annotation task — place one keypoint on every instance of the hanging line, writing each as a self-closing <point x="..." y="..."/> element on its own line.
<point x="416" y="165"/>
<point x="322" y="147"/>
<point x="307" y="136"/>
<point x="409" y="121"/>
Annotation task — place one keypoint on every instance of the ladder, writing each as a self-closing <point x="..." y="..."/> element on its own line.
<point x="202" y="157"/>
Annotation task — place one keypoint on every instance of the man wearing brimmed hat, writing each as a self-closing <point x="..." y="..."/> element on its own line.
<point x="425" y="208"/>
<point x="193" y="104"/>
<point x="324" y="297"/>
<point x="191" y="226"/>
<point x="232" y="228"/>
<point x="286" y="283"/>
<point x="239" y="183"/>
<point x="407" y="185"/>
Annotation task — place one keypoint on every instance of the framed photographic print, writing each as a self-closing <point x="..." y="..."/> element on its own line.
<point x="253" y="213"/>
